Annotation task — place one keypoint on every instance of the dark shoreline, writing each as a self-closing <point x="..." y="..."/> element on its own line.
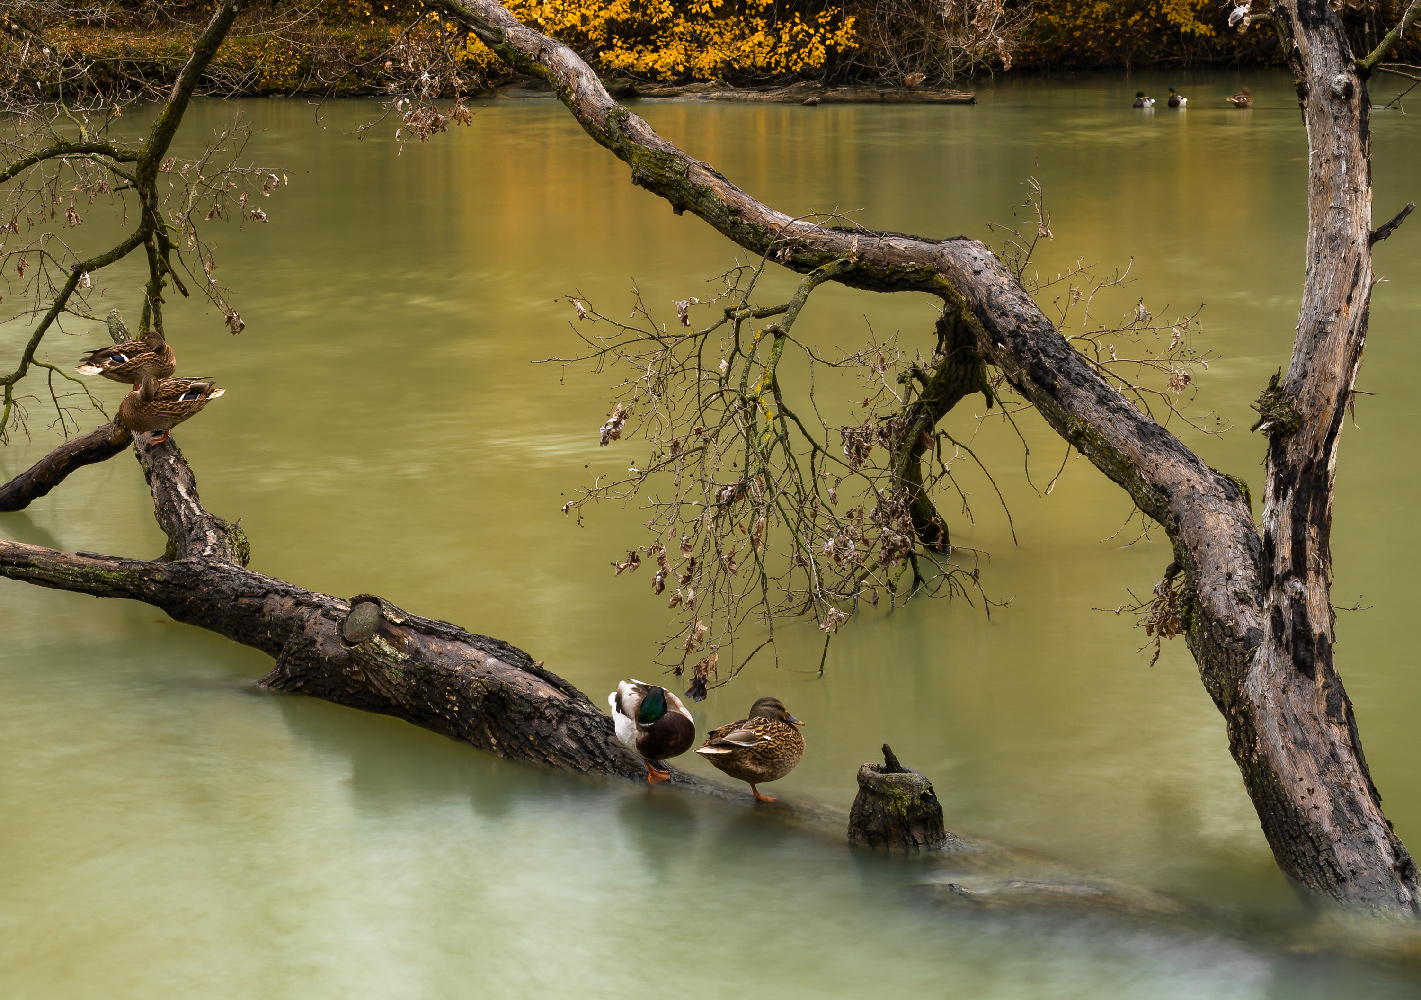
<point x="804" y="92"/>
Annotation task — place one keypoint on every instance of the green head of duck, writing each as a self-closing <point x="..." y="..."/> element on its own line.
<point x="653" y="706"/>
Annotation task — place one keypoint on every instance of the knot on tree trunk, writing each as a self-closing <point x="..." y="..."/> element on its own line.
<point x="362" y="623"/>
<point x="1277" y="414"/>
<point x="896" y="807"/>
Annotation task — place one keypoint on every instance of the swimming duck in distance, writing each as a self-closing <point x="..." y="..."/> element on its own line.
<point x="161" y="404"/>
<point x="1175" y="100"/>
<point x="1243" y="99"/>
<point x="130" y="360"/>
<point x="1141" y="101"/>
<point x="763" y="747"/>
<point x="651" y="721"/>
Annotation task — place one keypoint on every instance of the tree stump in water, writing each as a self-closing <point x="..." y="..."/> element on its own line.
<point x="896" y="807"/>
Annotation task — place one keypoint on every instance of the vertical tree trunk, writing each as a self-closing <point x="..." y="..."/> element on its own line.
<point x="1290" y="720"/>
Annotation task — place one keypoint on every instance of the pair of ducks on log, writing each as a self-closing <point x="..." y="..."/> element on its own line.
<point x="652" y="722"/>
<point x="158" y="402"/>
<point x="1243" y="99"/>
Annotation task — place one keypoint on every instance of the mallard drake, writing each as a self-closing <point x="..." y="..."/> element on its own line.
<point x="763" y="747"/>
<point x="1243" y="99"/>
<point x="162" y="404"/>
<point x="651" y="721"/>
<point x="1141" y="101"/>
<point x="131" y="360"/>
<point x="1175" y="100"/>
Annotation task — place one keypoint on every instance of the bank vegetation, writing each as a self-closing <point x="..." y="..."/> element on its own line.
<point x="371" y="47"/>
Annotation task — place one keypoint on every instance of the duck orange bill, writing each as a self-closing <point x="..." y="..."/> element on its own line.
<point x="790" y="718"/>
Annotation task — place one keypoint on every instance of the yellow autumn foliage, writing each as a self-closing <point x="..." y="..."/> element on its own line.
<point x="702" y="39"/>
<point x="1124" y="32"/>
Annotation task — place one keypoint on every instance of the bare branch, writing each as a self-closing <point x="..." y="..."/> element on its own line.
<point x="64" y="148"/>
<point x="77" y="272"/>
<point x="1390" y="39"/>
<point x="103" y="442"/>
<point x="1382" y="232"/>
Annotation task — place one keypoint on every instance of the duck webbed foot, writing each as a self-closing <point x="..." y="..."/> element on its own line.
<point x="762" y="798"/>
<point x="654" y="775"/>
<point x="158" y="437"/>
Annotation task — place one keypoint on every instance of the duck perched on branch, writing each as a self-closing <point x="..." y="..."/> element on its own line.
<point x="132" y="360"/>
<point x="764" y="747"/>
<point x="651" y="721"/>
<point x="162" y="404"/>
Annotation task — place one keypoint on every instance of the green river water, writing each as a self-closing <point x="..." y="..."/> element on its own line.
<point x="169" y="830"/>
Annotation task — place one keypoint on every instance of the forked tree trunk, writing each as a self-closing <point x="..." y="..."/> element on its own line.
<point x="1256" y="607"/>
<point x="1290" y="721"/>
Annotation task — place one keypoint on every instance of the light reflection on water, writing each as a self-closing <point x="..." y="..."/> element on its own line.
<point x="168" y="830"/>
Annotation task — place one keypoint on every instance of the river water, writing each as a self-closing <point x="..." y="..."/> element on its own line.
<point x="167" y="829"/>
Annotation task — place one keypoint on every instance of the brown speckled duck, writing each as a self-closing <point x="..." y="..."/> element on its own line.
<point x="652" y="722"/>
<point x="162" y="404"/>
<point x="131" y="360"/>
<point x="764" y="747"/>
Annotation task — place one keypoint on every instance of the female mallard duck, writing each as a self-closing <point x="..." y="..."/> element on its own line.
<point x="131" y="360"/>
<point x="1243" y="99"/>
<point x="651" y="721"/>
<point x="1141" y="101"/>
<point x="162" y="404"/>
<point x="1176" y="100"/>
<point x="764" y="747"/>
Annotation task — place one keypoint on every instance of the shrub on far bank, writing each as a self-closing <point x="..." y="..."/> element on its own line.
<point x="368" y="46"/>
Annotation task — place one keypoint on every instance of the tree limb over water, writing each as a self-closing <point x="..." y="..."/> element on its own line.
<point x="93" y="162"/>
<point x="1255" y="604"/>
<point x="101" y="443"/>
<point x="365" y="653"/>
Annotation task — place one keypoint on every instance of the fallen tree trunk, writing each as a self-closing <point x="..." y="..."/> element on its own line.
<point x="1254" y="606"/>
<point x="365" y="653"/>
<point x="806" y="93"/>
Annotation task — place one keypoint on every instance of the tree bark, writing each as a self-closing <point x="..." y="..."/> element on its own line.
<point x="896" y="808"/>
<point x="1256" y="608"/>
<point x="1290" y="721"/>
<point x="436" y="675"/>
<point x="957" y="372"/>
